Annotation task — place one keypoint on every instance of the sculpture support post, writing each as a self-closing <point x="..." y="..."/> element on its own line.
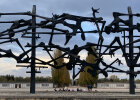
<point x="33" y="54"/>
<point x="131" y="82"/>
<point x="131" y="53"/>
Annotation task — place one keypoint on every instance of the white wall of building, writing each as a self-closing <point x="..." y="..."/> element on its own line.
<point x="50" y="85"/>
<point x="115" y="85"/>
<point x="25" y="85"/>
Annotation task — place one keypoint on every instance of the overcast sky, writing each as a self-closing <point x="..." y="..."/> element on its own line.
<point x="75" y="7"/>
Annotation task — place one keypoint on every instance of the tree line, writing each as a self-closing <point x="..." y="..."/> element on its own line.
<point x="12" y="78"/>
<point x="114" y="78"/>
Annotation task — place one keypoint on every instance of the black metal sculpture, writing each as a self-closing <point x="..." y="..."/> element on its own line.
<point x="128" y="49"/>
<point x="27" y="29"/>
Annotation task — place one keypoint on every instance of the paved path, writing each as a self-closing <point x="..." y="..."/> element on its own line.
<point x="49" y="93"/>
<point x="72" y="95"/>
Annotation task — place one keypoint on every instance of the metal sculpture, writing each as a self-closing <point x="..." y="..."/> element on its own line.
<point x="27" y="29"/>
<point x="24" y="27"/>
<point x="128" y="49"/>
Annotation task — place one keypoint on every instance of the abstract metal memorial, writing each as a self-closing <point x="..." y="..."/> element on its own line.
<point x="28" y="29"/>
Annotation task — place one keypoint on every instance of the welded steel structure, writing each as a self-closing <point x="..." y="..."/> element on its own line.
<point x="28" y="29"/>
